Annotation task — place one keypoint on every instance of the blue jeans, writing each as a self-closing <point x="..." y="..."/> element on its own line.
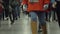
<point x="41" y="17"/>
<point x="17" y="11"/>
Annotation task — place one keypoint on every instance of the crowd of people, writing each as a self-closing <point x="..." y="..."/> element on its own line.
<point x="44" y="9"/>
<point x="9" y="9"/>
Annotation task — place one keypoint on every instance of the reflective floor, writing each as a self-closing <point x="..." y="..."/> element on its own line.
<point x="22" y="26"/>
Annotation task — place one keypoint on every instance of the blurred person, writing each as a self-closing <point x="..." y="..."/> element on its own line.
<point x="12" y="11"/>
<point x="1" y="12"/>
<point x="51" y="12"/>
<point x="17" y="9"/>
<point x="36" y="8"/>
<point x="6" y="6"/>
<point x="57" y="6"/>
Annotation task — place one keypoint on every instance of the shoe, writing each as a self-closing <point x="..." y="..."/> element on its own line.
<point x="6" y="18"/>
<point x="12" y="22"/>
<point x="16" y="18"/>
<point x="44" y="29"/>
<point x="40" y="30"/>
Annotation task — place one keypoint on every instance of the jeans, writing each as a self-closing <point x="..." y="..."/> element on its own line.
<point x="41" y="17"/>
<point x="17" y="11"/>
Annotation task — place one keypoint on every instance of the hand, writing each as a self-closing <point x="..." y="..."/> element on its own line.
<point x="25" y="7"/>
<point x="45" y="6"/>
<point x="54" y="4"/>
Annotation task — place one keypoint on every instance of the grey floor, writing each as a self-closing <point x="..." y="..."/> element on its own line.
<point x="22" y="26"/>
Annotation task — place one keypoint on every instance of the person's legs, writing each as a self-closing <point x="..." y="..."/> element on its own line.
<point x="18" y="8"/>
<point x="58" y="16"/>
<point x="54" y="16"/>
<point x="3" y="15"/>
<point x="10" y="16"/>
<point x="50" y="15"/>
<point x="41" y="16"/>
<point x="17" y="11"/>
<point x="58" y="12"/>
<point x="46" y="16"/>
<point x="33" y="22"/>
<point x="13" y="16"/>
<point x="0" y="18"/>
<point x="6" y="11"/>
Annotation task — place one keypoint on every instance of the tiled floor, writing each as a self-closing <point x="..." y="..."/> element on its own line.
<point x="22" y="26"/>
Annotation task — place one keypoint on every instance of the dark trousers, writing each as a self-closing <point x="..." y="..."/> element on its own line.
<point x="58" y="12"/>
<point x="6" y="6"/>
<point x="12" y="15"/>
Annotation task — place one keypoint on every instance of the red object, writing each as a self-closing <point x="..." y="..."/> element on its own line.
<point x="36" y="6"/>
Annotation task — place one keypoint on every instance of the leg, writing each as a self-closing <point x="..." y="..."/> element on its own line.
<point x="0" y="18"/>
<point x="13" y="16"/>
<point x="46" y="16"/>
<point x="33" y="22"/>
<point x="18" y="9"/>
<point x="7" y="11"/>
<point x="58" y="16"/>
<point x="41" y="16"/>
<point x="50" y="15"/>
<point x="58" y="13"/>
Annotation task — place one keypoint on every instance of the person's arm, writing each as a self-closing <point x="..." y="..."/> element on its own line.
<point x="24" y="4"/>
<point x="46" y="4"/>
<point x="54" y="4"/>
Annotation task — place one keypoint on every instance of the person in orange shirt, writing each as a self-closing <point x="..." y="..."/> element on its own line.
<point x="36" y="8"/>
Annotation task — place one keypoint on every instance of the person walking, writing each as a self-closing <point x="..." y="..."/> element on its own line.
<point x="36" y="8"/>
<point x="57" y="6"/>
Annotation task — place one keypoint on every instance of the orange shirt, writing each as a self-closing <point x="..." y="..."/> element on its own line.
<point x="36" y="6"/>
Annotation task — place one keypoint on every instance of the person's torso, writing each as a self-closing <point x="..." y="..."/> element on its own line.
<point x="35" y="4"/>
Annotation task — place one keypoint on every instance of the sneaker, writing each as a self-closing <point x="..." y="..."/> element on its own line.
<point x="6" y="18"/>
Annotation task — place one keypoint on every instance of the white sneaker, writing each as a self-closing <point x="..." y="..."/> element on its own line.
<point x="6" y="18"/>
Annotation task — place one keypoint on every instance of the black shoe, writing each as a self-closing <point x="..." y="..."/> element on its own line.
<point x="12" y="22"/>
<point x="16" y="18"/>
